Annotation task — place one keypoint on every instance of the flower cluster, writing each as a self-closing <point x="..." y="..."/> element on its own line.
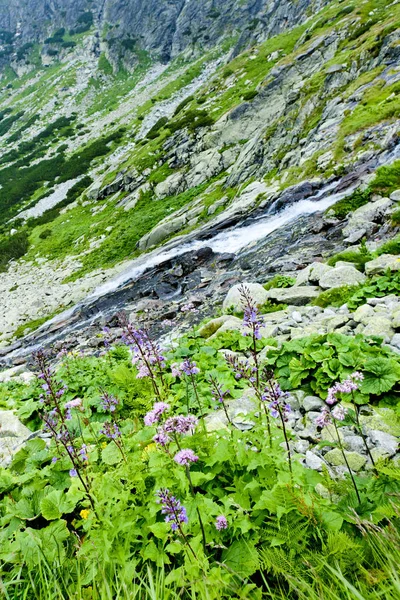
<point x="221" y="522"/>
<point x="176" y="370"/>
<point x="189" y="367"/>
<point x="185" y="457"/>
<point x="179" y="424"/>
<point x="146" y="353"/>
<point x="109" y="403"/>
<point x="324" y="418"/>
<point x="107" y="337"/>
<point x="217" y="392"/>
<point x="154" y="415"/>
<point x="276" y="397"/>
<point x="345" y="387"/>
<point x="252" y="319"/>
<point x="56" y="415"/>
<point x="242" y="369"/>
<point x="111" y="430"/>
<point x="75" y="403"/>
<point x="189" y="307"/>
<point x="172" y="508"/>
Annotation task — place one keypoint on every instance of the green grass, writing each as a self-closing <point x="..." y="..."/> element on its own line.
<point x="379" y="103"/>
<point x="31" y="326"/>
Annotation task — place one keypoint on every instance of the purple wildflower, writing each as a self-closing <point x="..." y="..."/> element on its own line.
<point x="180" y="424"/>
<point x="154" y="415"/>
<point x="73" y="473"/>
<point x="172" y="508"/>
<point x="189" y="367"/>
<point x="109" y="403"/>
<point x="111" y="430"/>
<point x="241" y="368"/>
<point x="185" y="457"/>
<point x="357" y="376"/>
<point x="176" y="371"/>
<point x="217" y="391"/>
<point x="339" y="412"/>
<point x="324" y="418"/>
<point x="146" y="353"/>
<point x="83" y="453"/>
<point x="251" y="319"/>
<point x="221" y="523"/>
<point x="331" y="397"/>
<point x="54" y="460"/>
<point x="161" y="438"/>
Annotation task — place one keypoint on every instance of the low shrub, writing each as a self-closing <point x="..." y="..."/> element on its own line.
<point x="45" y="234"/>
<point x="376" y="287"/>
<point x="395" y="218"/>
<point x="358" y="198"/>
<point x="280" y="281"/>
<point x="248" y="96"/>
<point x="357" y="257"/>
<point x="182" y="105"/>
<point x="335" y="296"/>
<point x="13" y="247"/>
<point x="155" y="130"/>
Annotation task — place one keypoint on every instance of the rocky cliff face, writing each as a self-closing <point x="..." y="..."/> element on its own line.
<point x="164" y="28"/>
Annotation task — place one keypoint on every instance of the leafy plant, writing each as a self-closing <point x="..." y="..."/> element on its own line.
<point x="280" y="281"/>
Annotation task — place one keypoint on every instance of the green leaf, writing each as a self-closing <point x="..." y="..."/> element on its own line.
<point x="199" y="478"/>
<point x="380" y="375"/>
<point x="111" y="455"/>
<point x="160" y="530"/>
<point x="298" y="371"/>
<point x="332" y="521"/>
<point x="55" y="504"/>
<point x="241" y="558"/>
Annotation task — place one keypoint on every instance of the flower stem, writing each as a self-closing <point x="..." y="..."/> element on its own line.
<point x="287" y="443"/>
<point x="197" y="508"/>
<point x="346" y="461"/>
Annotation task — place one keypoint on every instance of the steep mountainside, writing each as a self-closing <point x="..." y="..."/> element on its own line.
<point x="164" y="28"/>
<point x="133" y="125"/>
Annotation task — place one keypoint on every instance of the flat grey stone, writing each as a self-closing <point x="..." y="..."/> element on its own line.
<point x="313" y="403"/>
<point x="340" y="277"/>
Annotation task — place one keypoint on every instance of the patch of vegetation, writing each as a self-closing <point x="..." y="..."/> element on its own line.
<point x="395" y="218"/>
<point x="387" y="178"/>
<point x="357" y="257"/>
<point x="182" y="105"/>
<point x="380" y="103"/>
<point x="12" y="247"/>
<point x="318" y="361"/>
<point x="154" y="131"/>
<point x="376" y="287"/>
<point x="19" y="184"/>
<point x="231" y="523"/>
<point x="34" y="324"/>
<point x="248" y="96"/>
<point x="6" y="124"/>
<point x="193" y="119"/>
<point x="335" y="296"/>
<point x="350" y="203"/>
<point x="270" y="306"/>
<point x="104" y="65"/>
<point x="52" y="213"/>
<point x="390" y="247"/>
<point x="280" y="281"/>
<point x="62" y="126"/>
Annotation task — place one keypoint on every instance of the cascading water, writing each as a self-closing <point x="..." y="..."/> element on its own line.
<point x="232" y="240"/>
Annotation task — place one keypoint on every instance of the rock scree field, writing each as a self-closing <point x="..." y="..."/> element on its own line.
<point x="200" y="300"/>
